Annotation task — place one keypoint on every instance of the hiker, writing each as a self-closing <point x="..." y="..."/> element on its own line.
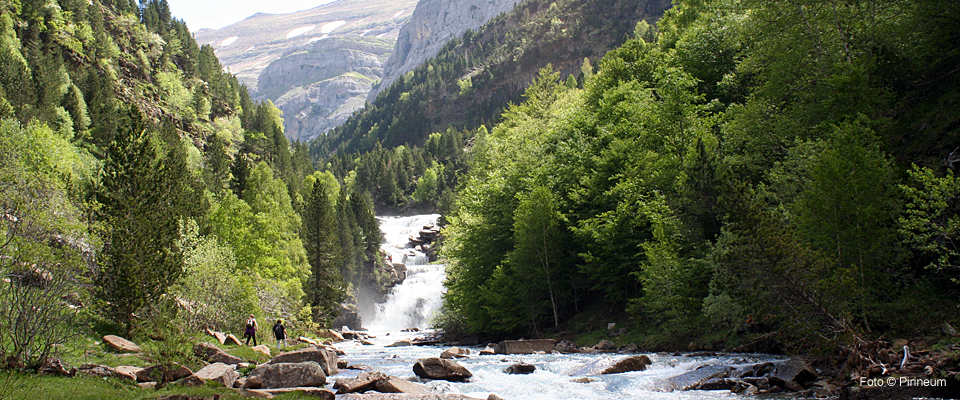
<point x="250" y="331"/>
<point x="281" y="334"/>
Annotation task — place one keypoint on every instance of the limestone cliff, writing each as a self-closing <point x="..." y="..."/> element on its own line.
<point x="316" y="65"/>
<point x="433" y="23"/>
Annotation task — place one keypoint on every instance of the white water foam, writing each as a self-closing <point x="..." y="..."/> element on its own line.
<point x="412" y="303"/>
<point x="554" y="378"/>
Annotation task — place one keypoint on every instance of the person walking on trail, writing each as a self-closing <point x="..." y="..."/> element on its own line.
<point x="280" y="333"/>
<point x="250" y="331"/>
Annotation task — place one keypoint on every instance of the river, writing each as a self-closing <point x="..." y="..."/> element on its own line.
<point x="558" y="376"/>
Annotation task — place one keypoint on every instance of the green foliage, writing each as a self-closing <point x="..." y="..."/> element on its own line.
<point x="325" y="288"/>
<point x="143" y="195"/>
<point x="45" y="245"/>
<point x="277" y="252"/>
<point x="738" y="164"/>
<point x="930" y="223"/>
<point x="476" y="77"/>
<point x="215" y="294"/>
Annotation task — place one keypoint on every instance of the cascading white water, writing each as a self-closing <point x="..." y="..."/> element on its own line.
<point x="558" y="376"/>
<point x="412" y="303"/>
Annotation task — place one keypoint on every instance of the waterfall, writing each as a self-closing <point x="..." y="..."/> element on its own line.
<point x="412" y="303"/>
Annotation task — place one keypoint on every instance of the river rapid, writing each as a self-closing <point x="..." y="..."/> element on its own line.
<point x="558" y="376"/>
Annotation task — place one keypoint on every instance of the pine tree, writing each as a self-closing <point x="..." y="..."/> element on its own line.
<point x="143" y="196"/>
<point x="325" y="289"/>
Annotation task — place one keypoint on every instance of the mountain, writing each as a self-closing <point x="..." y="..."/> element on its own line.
<point x="475" y="76"/>
<point x="432" y="25"/>
<point x="316" y="65"/>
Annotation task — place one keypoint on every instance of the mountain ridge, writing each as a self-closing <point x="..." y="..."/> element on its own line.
<point x="316" y="65"/>
<point x="430" y="27"/>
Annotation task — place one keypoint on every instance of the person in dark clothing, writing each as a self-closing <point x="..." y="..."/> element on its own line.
<point x="280" y="333"/>
<point x="250" y="331"/>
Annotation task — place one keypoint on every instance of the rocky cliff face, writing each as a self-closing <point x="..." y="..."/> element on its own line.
<point x="317" y="86"/>
<point x="434" y="22"/>
<point x="316" y="65"/>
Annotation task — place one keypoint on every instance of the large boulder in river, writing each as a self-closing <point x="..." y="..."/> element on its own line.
<point x="209" y="352"/>
<point x="693" y="379"/>
<point x="438" y="368"/>
<point x="520" y="368"/>
<point x="526" y="346"/>
<point x="285" y="375"/>
<point x="635" y="363"/>
<point x="120" y="345"/>
<point x="454" y="352"/>
<point x="793" y="370"/>
<point x="326" y="358"/>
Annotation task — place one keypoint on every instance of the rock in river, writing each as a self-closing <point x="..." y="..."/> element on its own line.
<point x="438" y="368"/>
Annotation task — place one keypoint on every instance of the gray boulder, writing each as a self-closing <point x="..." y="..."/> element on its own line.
<point x="605" y="345"/>
<point x="793" y="370"/>
<point x="209" y="352"/>
<point x="454" y="352"/>
<point x="363" y="382"/>
<point x="393" y="384"/>
<point x="309" y="391"/>
<point x="566" y="346"/>
<point x="693" y="379"/>
<point x="288" y="375"/>
<point x="326" y="358"/>
<point x="520" y="369"/>
<point x="221" y="373"/>
<point x="635" y="363"/>
<point x="438" y="368"/>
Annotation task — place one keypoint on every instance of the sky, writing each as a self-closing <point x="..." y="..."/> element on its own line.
<point x="215" y="14"/>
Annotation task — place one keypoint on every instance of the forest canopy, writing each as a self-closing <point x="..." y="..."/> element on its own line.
<point x="741" y="169"/>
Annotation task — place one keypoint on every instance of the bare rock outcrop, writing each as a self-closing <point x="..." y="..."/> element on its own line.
<point x="432" y="25"/>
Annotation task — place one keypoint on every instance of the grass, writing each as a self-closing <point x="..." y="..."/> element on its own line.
<point x="90" y="349"/>
<point x="27" y="386"/>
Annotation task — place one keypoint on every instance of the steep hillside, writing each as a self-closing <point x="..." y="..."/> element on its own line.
<point x="432" y="25"/>
<point x="474" y="77"/>
<point x="316" y="65"/>
<point x="135" y="171"/>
